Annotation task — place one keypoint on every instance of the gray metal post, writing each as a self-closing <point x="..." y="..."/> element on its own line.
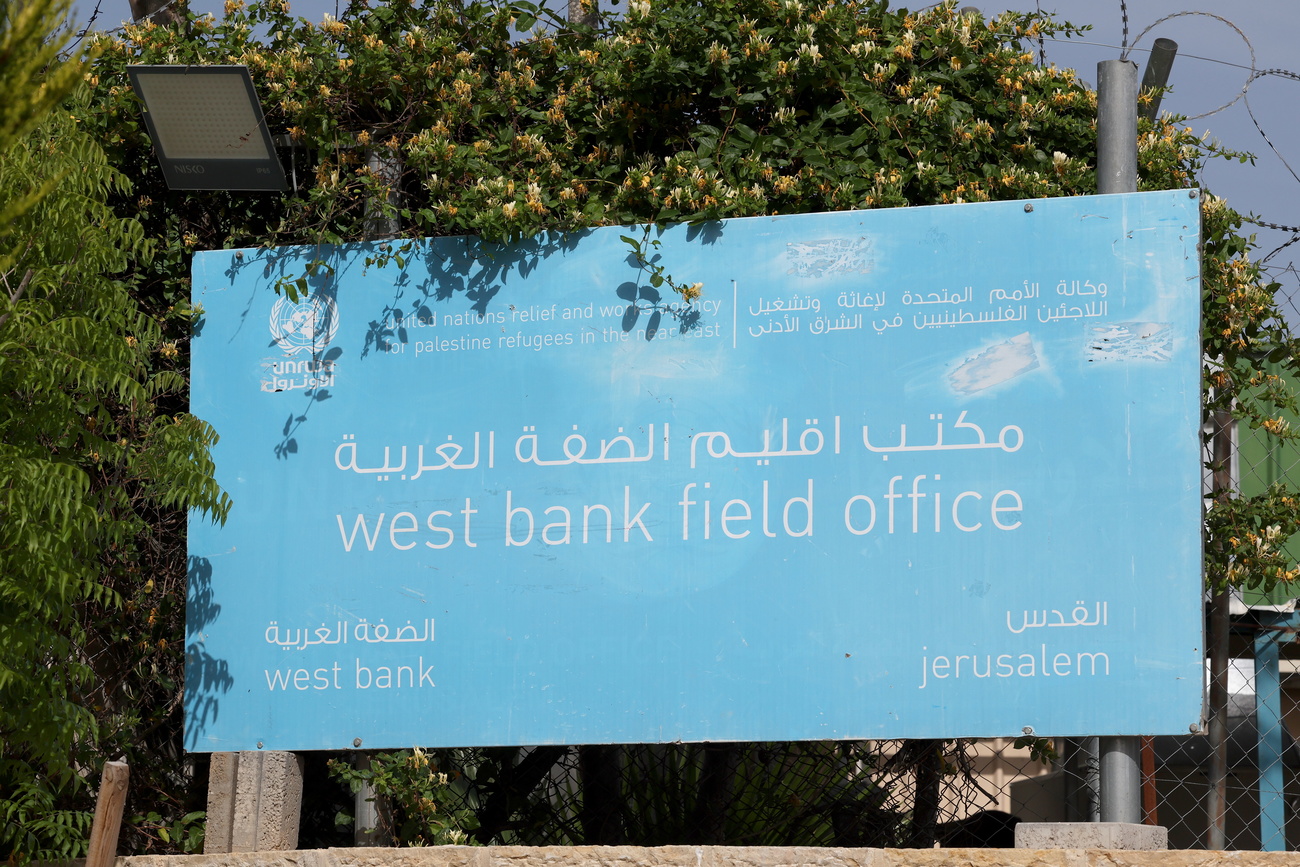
<point x="1121" y="780"/>
<point x="1156" y="76"/>
<point x="388" y="168"/>
<point x="1216" y="804"/>
<point x="1116" y="126"/>
<point x="1275" y="630"/>
<point x="1121" y="768"/>
<point x="580" y="13"/>
<point x="368" y="827"/>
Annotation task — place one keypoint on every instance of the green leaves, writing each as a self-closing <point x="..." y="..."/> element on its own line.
<point x="91" y="463"/>
<point x="425" y="808"/>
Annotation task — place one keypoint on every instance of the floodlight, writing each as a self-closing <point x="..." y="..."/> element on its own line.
<point x="207" y="127"/>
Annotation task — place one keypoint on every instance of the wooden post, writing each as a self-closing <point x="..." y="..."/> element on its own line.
<point x="108" y="815"/>
<point x="1149" y="781"/>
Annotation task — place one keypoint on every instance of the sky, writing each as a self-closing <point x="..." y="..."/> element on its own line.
<point x="1217" y="47"/>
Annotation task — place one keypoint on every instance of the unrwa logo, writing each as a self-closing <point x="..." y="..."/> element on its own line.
<point x="304" y="325"/>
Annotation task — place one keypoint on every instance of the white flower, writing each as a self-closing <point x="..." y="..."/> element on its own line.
<point x="811" y="51"/>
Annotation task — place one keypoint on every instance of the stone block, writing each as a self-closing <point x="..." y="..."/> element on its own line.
<point x="254" y="802"/>
<point x="221" y="801"/>
<point x="712" y="856"/>
<point x="1091" y="835"/>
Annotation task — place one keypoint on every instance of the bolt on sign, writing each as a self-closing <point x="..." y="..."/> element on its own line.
<point x="925" y="472"/>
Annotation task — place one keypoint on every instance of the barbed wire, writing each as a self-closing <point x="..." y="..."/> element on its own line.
<point x="1294" y="238"/>
<point x="1221" y="20"/>
<point x="89" y="28"/>
<point x="1282" y="73"/>
<point x="1267" y="225"/>
<point x="1042" y="47"/>
<point x="1123" y="14"/>
<point x="1254" y="75"/>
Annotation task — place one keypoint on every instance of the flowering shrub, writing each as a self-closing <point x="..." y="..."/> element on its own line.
<point x="420" y="807"/>
<point x="680" y="111"/>
<point x="502" y="121"/>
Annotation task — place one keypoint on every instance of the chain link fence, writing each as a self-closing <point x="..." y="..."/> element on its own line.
<point x="897" y="794"/>
<point x="906" y="794"/>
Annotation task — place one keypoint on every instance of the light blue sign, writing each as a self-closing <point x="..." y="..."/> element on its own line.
<point x="923" y="472"/>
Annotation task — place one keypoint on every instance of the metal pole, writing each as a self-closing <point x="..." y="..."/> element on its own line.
<point x="1121" y="780"/>
<point x="582" y="13"/>
<point x="368" y="826"/>
<point x="1079" y="765"/>
<point x="1121" y="777"/>
<point x="1274" y="631"/>
<point x="1116" y="126"/>
<point x="388" y="168"/>
<point x="1216" y="806"/>
<point x="1156" y="76"/>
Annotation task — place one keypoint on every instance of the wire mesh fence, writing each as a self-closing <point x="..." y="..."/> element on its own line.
<point x="897" y="794"/>
<point x="906" y="794"/>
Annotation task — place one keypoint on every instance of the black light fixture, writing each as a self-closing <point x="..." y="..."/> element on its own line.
<point x="207" y="127"/>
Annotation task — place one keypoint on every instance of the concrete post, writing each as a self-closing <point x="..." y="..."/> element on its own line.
<point x="254" y="802"/>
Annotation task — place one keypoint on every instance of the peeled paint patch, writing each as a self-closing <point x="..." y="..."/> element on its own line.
<point x="831" y="256"/>
<point x="995" y="365"/>
<point x="1131" y="341"/>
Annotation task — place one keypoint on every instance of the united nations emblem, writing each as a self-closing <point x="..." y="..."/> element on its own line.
<point x="304" y="325"/>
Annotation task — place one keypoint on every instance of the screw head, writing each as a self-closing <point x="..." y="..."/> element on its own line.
<point x="1194" y="728"/>
<point x="1191" y="194"/>
<point x="1028" y="731"/>
<point x="239" y="254"/>
<point x="356" y="742"/>
<point x="259" y="745"/>
<point x="1028" y="208"/>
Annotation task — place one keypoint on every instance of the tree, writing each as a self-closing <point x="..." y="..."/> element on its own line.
<point x="88" y="462"/>
<point x="677" y="110"/>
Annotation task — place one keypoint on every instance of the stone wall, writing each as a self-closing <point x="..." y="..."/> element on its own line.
<point x="715" y="856"/>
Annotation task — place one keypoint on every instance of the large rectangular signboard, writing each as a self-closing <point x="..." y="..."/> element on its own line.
<point x="924" y="472"/>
